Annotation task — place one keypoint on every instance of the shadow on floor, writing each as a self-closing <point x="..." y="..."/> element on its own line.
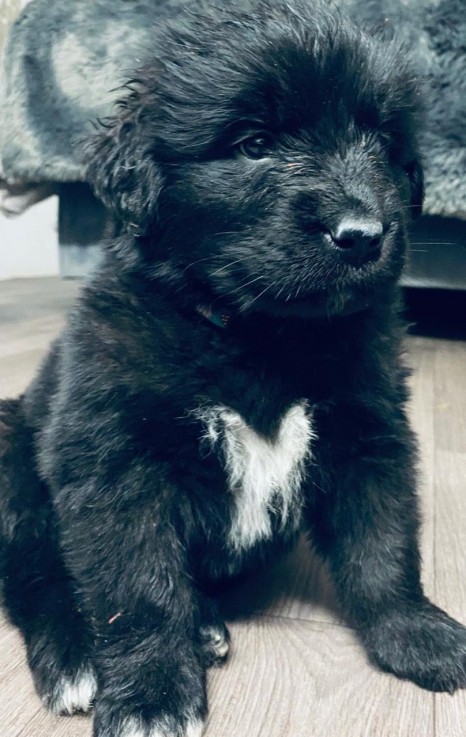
<point x="436" y="313"/>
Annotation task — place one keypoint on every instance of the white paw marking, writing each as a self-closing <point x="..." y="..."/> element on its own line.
<point x="75" y="694"/>
<point x="133" y="727"/>
<point x="216" y="641"/>
<point x="195" y="728"/>
<point x="221" y="649"/>
<point x="264" y="475"/>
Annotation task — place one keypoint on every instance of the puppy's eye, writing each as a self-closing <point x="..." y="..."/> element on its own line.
<point x="257" y="147"/>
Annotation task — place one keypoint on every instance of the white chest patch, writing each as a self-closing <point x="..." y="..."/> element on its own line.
<point x="264" y="476"/>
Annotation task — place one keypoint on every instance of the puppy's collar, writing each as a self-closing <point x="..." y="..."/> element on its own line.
<point x="220" y="318"/>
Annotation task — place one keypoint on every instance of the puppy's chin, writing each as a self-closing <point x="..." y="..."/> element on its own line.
<point x="320" y="306"/>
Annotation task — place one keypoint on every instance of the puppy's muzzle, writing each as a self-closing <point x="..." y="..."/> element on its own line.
<point x="358" y="241"/>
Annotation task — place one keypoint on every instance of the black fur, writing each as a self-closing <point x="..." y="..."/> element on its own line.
<point x="236" y="154"/>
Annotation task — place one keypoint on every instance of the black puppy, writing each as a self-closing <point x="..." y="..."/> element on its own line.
<point x="230" y="376"/>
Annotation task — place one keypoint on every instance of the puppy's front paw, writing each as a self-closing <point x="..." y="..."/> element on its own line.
<point x="165" y="698"/>
<point x="422" y="645"/>
<point x="72" y="693"/>
<point x="117" y="724"/>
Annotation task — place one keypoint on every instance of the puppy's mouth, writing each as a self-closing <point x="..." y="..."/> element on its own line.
<point x="355" y="291"/>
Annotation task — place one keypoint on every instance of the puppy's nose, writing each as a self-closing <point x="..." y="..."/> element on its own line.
<point x="359" y="240"/>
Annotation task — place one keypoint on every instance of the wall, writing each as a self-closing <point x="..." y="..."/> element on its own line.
<point x="29" y="242"/>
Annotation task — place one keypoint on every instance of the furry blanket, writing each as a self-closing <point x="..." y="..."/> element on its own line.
<point x="65" y="61"/>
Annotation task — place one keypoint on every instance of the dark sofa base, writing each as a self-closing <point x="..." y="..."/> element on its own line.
<point x="438" y="254"/>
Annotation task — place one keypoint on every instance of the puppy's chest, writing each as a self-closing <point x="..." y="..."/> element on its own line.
<point x="264" y="475"/>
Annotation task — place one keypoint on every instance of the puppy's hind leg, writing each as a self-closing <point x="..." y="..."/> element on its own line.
<point x="37" y="592"/>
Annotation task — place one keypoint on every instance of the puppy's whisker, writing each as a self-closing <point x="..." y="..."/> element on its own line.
<point x="242" y="286"/>
<point x="211" y="258"/>
<point x="193" y="263"/>
<point x="226" y="232"/>
<point x="234" y="291"/>
<point x="232" y="263"/>
<point x="280" y="291"/>
<point x="249" y="304"/>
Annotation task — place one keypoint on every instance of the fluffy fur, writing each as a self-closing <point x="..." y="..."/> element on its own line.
<point x="231" y="374"/>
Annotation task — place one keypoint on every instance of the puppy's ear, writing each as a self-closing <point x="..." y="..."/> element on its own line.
<point x="123" y="172"/>
<point x="416" y="180"/>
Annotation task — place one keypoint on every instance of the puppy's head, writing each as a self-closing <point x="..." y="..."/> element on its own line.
<point x="266" y="156"/>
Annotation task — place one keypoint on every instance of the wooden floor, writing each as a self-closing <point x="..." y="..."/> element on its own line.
<point x="295" y="670"/>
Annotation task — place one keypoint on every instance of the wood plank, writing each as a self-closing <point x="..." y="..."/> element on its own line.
<point x="450" y="475"/>
<point x="32" y="313"/>
<point x="450" y="563"/>
<point x="450" y="394"/>
<point x="421" y="358"/>
<point x="12" y="653"/>
<point x="289" y="678"/>
<point x="43" y="724"/>
<point x="450" y="505"/>
<point x="19" y="703"/>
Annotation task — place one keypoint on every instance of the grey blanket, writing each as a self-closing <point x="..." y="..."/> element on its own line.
<point x="65" y="61"/>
